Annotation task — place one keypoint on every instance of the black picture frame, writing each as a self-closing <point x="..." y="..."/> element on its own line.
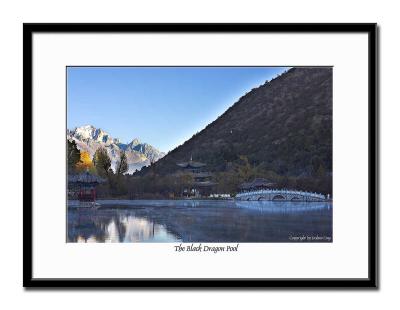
<point x="368" y="28"/>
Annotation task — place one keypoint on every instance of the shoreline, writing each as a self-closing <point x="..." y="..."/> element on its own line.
<point x="121" y="203"/>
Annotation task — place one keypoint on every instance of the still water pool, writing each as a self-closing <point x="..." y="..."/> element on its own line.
<point x="201" y="221"/>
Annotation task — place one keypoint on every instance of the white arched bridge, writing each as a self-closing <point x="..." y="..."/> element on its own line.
<point x="280" y="195"/>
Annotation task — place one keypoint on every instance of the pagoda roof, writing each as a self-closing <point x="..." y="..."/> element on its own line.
<point x="191" y="164"/>
<point x="202" y="175"/>
<point x="85" y="177"/>
<point x="205" y="184"/>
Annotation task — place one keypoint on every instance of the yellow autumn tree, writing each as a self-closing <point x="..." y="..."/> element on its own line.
<point x="85" y="163"/>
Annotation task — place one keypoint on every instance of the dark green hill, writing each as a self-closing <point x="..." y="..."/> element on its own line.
<point x="283" y="126"/>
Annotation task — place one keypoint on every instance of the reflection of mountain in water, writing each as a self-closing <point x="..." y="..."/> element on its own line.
<point x="200" y="221"/>
<point x="141" y="229"/>
<point x="90" y="228"/>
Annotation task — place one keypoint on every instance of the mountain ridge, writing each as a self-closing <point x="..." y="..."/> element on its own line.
<point x="89" y="138"/>
<point x="284" y="126"/>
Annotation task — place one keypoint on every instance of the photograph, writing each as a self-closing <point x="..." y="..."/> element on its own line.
<point x="195" y="154"/>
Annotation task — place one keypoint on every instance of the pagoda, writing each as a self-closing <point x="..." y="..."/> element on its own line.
<point x="83" y="187"/>
<point x="202" y="184"/>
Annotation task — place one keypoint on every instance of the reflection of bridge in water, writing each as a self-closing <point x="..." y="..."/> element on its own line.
<point x="280" y="195"/>
<point x="282" y="207"/>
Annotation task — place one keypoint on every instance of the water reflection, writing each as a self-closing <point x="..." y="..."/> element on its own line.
<point x="100" y="226"/>
<point x="199" y="221"/>
<point x="283" y="206"/>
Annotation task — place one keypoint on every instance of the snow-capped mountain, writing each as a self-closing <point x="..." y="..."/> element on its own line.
<point x="89" y="138"/>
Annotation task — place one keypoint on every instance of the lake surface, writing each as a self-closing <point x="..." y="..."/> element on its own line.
<point x="201" y="221"/>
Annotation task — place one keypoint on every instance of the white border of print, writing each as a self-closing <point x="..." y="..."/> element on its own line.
<point x="346" y="257"/>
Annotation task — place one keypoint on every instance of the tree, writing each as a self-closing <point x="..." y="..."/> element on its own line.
<point x="321" y="171"/>
<point x="245" y="171"/>
<point x="102" y="162"/>
<point x="73" y="155"/>
<point x="184" y="181"/>
<point x="85" y="162"/>
<point x="316" y="162"/>
<point x="227" y="182"/>
<point x="122" y="165"/>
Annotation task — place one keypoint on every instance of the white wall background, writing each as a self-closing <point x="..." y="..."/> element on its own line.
<point x="14" y="13"/>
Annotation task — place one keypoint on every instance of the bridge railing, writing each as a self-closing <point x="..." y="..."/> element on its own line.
<point x="280" y="191"/>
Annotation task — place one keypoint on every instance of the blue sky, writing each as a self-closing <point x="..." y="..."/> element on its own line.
<point x="163" y="106"/>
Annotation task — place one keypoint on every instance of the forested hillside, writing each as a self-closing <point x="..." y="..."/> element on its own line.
<point x="283" y="127"/>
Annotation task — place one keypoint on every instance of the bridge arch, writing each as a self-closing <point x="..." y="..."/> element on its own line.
<point x="278" y="197"/>
<point x="296" y="198"/>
